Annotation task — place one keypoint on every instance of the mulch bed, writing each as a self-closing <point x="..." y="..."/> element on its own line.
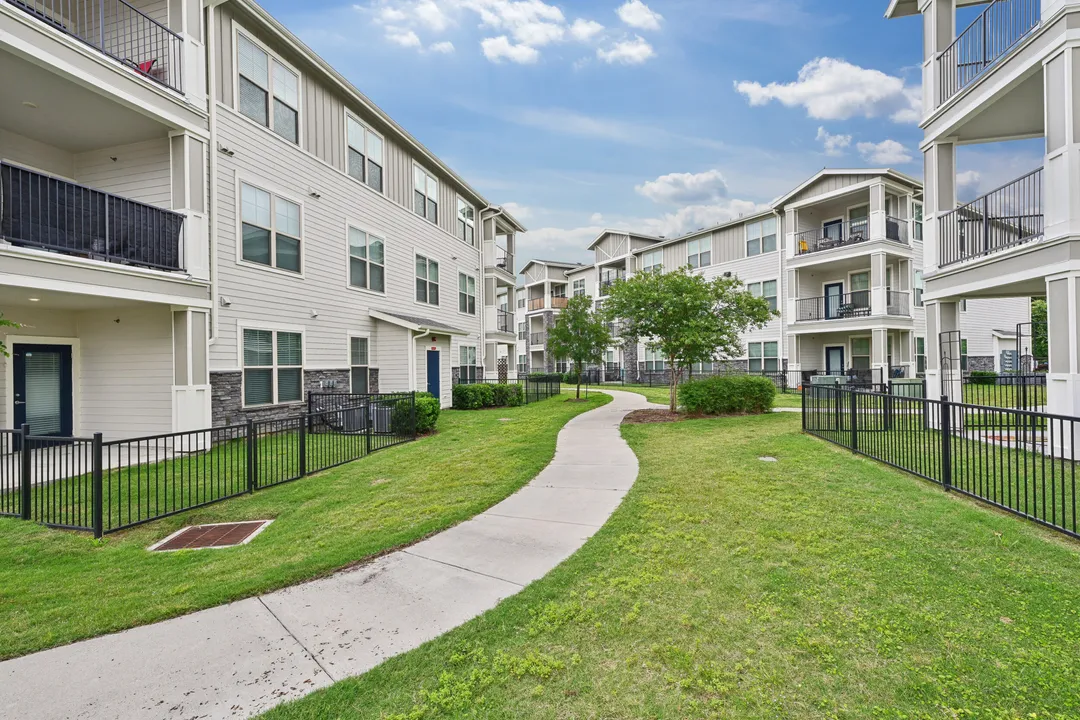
<point x="644" y="417"/>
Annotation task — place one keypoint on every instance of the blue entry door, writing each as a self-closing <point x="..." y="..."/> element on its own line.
<point x="43" y="388"/>
<point x="433" y="373"/>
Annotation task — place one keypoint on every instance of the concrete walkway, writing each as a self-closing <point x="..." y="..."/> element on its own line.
<point x="240" y="659"/>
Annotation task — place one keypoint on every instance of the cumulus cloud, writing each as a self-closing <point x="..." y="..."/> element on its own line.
<point x="968" y="184"/>
<point x="685" y="188"/>
<point x="628" y="52"/>
<point x="585" y="30"/>
<point x="833" y="89"/>
<point x="834" y="144"/>
<point x="500" y="48"/>
<point x="596" y="218"/>
<point x="693" y="217"/>
<point x="404" y="38"/>
<point x="446" y="47"/>
<point x="886" y="152"/>
<point x="521" y="212"/>
<point x="638" y="15"/>
<point x="431" y="16"/>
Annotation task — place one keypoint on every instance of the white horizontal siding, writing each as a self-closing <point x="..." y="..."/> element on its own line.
<point x="140" y="171"/>
<point x="36" y="155"/>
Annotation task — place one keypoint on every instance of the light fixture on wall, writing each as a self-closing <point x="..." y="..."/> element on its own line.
<point x="34" y="299"/>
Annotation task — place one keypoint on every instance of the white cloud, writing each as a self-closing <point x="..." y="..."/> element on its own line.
<point x="968" y="184"/>
<point x="596" y="218"/>
<point x="445" y="47"/>
<point x="500" y="48"/>
<point x="431" y="16"/>
<point x="404" y="38"/>
<point x="685" y="188"/>
<point x="585" y="30"/>
<point x="834" y="144"/>
<point x="521" y="212"/>
<point x="627" y="52"/>
<point x="693" y="217"/>
<point x="637" y="14"/>
<point x="392" y="15"/>
<point x="832" y="89"/>
<point x="886" y="152"/>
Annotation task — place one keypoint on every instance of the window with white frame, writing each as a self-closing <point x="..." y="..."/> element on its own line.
<point x="702" y="368"/>
<point x="917" y="215"/>
<point x="652" y="261"/>
<point x="466" y="222"/>
<point x="271" y="229"/>
<point x="269" y="92"/>
<point x="860" y="353"/>
<point x="761" y="237"/>
<point x="521" y="301"/>
<point x="920" y="356"/>
<point x="467" y="368"/>
<point x="466" y="294"/>
<point x="358" y="365"/>
<point x="579" y="287"/>
<point x="367" y="261"/>
<point x="425" y="195"/>
<point x="763" y="357"/>
<point x="522" y="364"/>
<point x="365" y="154"/>
<point x="767" y="290"/>
<point x="654" y="361"/>
<point x="920" y="285"/>
<point x="427" y="280"/>
<point x="273" y="367"/>
<point x="699" y="252"/>
<point x="562" y="366"/>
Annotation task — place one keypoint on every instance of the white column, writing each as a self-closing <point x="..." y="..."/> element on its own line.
<point x="190" y="198"/>
<point x="879" y="358"/>
<point x="878" y="293"/>
<point x="943" y="317"/>
<point x="1063" y="325"/>
<point x="939" y="31"/>
<point x="940" y="197"/>
<point x="1061" y="202"/>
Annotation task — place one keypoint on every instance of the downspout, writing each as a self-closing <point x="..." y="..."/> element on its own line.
<point x="211" y="97"/>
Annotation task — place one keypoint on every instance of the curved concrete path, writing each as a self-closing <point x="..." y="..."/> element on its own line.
<point x="243" y="658"/>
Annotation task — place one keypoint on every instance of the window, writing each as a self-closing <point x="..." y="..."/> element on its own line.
<point x="562" y="366"/>
<point x="652" y="261"/>
<point x="271" y="229"/>
<point x="522" y="331"/>
<point x="365" y="155"/>
<point x="427" y="280"/>
<point x="699" y="252"/>
<point x="766" y="290"/>
<point x="358" y="364"/>
<point x="920" y="285"/>
<point x="860" y="353"/>
<point x="963" y="355"/>
<point x="521" y="302"/>
<point x="860" y="221"/>
<point x="579" y="287"/>
<point x="963" y="305"/>
<point x="558" y="291"/>
<point x="764" y="357"/>
<point x="273" y="367"/>
<point x="860" y="289"/>
<point x="367" y="263"/>
<point x="467" y="369"/>
<point x="466" y="294"/>
<point x="265" y="83"/>
<point x="702" y="368"/>
<point x="920" y="356"/>
<point x="466" y="222"/>
<point x="761" y="237"/>
<point x="425" y="195"/>
<point x="522" y="364"/>
<point x="917" y="212"/>
<point x="654" y="361"/>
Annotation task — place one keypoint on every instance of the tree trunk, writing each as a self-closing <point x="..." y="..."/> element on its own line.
<point x="579" y="387"/>
<point x="674" y="387"/>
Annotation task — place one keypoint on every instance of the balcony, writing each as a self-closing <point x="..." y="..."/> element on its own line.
<point x="833" y="307"/>
<point x="536" y="304"/>
<point x="559" y="303"/>
<point x="41" y="211"/>
<point x="982" y="44"/>
<point x="116" y="29"/>
<point x="851" y="232"/>
<point x="1004" y="218"/>
<point x="504" y="321"/>
<point x="897" y="304"/>
<point x="504" y="259"/>
<point x="539" y="338"/>
<point x="607" y="280"/>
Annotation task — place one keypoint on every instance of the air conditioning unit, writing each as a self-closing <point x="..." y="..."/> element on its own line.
<point x="379" y="416"/>
<point x="828" y="380"/>
<point x="354" y="420"/>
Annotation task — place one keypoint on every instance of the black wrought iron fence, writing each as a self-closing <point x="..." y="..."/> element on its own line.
<point x="102" y="487"/>
<point x="534" y="389"/>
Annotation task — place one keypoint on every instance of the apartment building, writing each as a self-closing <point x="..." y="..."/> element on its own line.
<point x="201" y="222"/>
<point x="544" y="293"/>
<point x="839" y="258"/>
<point x="1019" y="240"/>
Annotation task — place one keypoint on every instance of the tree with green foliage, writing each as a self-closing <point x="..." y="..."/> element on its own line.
<point x="579" y="335"/>
<point x="4" y="322"/>
<point x="1040" y="340"/>
<point x="687" y="318"/>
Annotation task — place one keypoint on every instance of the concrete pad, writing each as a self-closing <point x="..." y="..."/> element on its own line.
<point x="564" y="505"/>
<point x="353" y="621"/>
<point x="511" y="549"/>
<point x="227" y="662"/>
<point x="593" y="477"/>
<point x="592" y="450"/>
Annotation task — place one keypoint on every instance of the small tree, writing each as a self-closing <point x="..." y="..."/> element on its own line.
<point x="4" y="322"/>
<point x="687" y="318"/>
<point x="579" y="335"/>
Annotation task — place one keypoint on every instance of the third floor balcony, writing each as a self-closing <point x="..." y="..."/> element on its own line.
<point x="848" y="232"/>
<point x="1007" y="217"/>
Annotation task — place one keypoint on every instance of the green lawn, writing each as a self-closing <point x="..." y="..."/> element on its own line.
<point x="1008" y="396"/>
<point x="821" y="586"/>
<point x="57" y="587"/>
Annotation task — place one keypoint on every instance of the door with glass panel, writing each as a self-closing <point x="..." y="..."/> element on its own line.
<point x="43" y="389"/>
<point x="860" y="293"/>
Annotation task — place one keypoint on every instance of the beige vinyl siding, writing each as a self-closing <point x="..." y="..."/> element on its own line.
<point x="639" y="243"/>
<point x="674" y="256"/>
<point x="985" y="316"/>
<point x="323" y="123"/>
<point x="141" y="171"/>
<point x="23" y="151"/>
<point x="729" y="244"/>
<point x="831" y="183"/>
<point x="613" y="245"/>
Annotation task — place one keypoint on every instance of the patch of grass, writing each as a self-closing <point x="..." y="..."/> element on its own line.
<point x="660" y="395"/>
<point x="821" y="586"/>
<point x="57" y="587"/>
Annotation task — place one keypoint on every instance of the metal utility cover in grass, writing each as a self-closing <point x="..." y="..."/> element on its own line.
<point x="217" y="535"/>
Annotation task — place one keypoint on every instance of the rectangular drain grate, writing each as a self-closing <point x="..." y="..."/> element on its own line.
<point x="218" y="535"/>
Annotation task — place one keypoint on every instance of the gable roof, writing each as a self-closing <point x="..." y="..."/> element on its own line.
<point x="629" y="233"/>
<point x="779" y="202"/>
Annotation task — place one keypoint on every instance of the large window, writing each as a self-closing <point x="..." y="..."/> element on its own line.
<point x="467" y="369"/>
<point x="466" y="222"/>
<point x="920" y="285"/>
<point x="425" y="195"/>
<point x="920" y="356"/>
<point x="273" y="367"/>
<point x="761" y="237"/>
<point x="365" y="154"/>
<point x="917" y="224"/>
<point x="367" y="261"/>
<point x="652" y="261"/>
<point x="271" y="229"/>
<point x="764" y="357"/>
<point x="579" y="287"/>
<point x="269" y="92"/>
<point x="522" y="364"/>
<point x="860" y="353"/>
<point x="654" y="361"/>
<point x="765" y="290"/>
<point x="466" y="294"/>
<point x="427" y="280"/>
<point x="699" y="252"/>
<point x="358" y="365"/>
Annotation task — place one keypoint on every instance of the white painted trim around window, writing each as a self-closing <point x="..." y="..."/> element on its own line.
<point x="237" y="30"/>
<point x="349" y="224"/>
<point x="274" y="190"/>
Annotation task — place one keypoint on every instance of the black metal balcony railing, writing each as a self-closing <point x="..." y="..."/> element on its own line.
<point x="838" y="235"/>
<point x="504" y="260"/>
<point x="616" y="329"/>
<point x="504" y="321"/>
<point x="1009" y="216"/>
<point x="538" y="338"/>
<point x="833" y="307"/>
<point x="897" y="230"/>
<point x="536" y="303"/>
<point x="989" y="38"/>
<point x="118" y="30"/>
<point x="40" y="211"/>
<point x="897" y="303"/>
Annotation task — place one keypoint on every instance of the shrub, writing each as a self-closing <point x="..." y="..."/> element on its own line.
<point x="545" y="377"/>
<point x="508" y="395"/>
<point x="726" y="395"/>
<point x="983" y="377"/>
<point x="470" y="397"/>
<point x="427" y="415"/>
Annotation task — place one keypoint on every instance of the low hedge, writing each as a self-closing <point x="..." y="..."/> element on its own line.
<point x="428" y="408"/>
<point x="484" y="395"/>
<point x="728" y="395"/>
<point x="983" y="377"/>
<point x="508" y="395"/>
<point x="546" y="377"/>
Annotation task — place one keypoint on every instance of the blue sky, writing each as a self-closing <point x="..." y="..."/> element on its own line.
<point x="657" y="115"/>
